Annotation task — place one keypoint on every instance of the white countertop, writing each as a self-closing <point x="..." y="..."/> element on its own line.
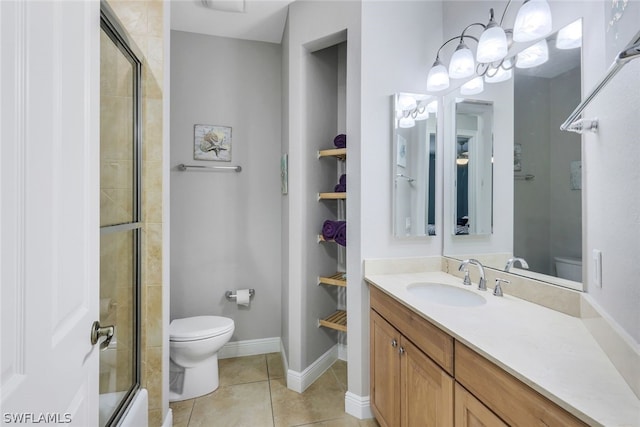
<point x="550" y="351"/>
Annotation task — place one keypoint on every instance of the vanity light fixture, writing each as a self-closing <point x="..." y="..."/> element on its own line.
<point x="570" y="37"/>
<point x="473" y="86"/>
<point x="409" y="110"/>
<point x="533" y="21"/>
<point x="533" y="56"/>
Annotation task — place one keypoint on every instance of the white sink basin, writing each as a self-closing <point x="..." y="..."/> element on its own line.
<point x="445" y="294"/>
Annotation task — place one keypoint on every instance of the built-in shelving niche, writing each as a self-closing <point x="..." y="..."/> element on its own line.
<point x="338" y="319"/>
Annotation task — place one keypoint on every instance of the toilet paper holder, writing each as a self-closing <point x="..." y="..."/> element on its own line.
<point x="231" y="296"/>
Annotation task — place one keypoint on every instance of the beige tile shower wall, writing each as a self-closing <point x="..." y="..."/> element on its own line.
<point x="143" y="20"/>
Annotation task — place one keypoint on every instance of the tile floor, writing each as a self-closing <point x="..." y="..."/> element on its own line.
<point x="253" y="393"/>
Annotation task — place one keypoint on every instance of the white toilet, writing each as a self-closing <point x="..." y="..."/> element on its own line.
<point x="569" y="268"/>
<point x="194" y="343"/>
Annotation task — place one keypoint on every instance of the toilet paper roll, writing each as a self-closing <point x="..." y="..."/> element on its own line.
<point x="242" y="297"/>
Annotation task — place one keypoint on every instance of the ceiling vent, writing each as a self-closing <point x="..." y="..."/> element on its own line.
<point x="225" y="5"/>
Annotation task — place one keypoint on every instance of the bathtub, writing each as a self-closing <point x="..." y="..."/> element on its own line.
<point x="137" y="413"/>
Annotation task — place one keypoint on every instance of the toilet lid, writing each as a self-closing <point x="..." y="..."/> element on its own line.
<point x="199" y="327"/>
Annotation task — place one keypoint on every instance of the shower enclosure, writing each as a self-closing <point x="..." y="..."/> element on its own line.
<point x="120" y="217"/>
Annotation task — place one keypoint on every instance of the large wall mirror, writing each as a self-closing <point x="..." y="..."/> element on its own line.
<point x="414" y="164"/>
<point x="547" y="185"/>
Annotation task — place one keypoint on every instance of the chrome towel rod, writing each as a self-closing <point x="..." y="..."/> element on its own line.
<point x="629" y="53"/>
<point x="184" y="167"/>
<point x="527" y="177"/>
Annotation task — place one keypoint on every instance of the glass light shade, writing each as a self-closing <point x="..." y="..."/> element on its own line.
<point x="492" y="45"/>
<point x="406" y="122"/>
<point x="570" y="36"/>
<point x="533" y="21"/>
<point x="501" y="75"/>
<point x="438" y="78"/>
<point x="462" y="64"/>
<point x="406" y="102"/>
<point x="533" y="56"/>
<point x="472" y="87"/>
<point x="462" y="161"/>
<point x="432" y="107"/>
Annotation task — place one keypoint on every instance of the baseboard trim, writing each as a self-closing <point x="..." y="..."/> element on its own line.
<point x="300" y="381"/>
<point x="357" y="406"/>
<point x="250" y="347"/>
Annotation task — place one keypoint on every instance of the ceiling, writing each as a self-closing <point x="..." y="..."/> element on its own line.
<point x="262" y="20"/>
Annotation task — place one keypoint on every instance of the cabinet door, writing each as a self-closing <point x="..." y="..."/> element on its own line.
<point x="427" y="390"/>
<point x="470" y="412"/>
<point x="385" y="371"/>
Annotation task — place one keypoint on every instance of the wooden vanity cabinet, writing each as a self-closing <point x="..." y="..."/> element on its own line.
<point x="413" y="382"/>
<point x="408" y="389"/>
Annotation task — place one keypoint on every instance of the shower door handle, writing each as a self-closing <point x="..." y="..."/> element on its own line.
<point x="98" y="331"/>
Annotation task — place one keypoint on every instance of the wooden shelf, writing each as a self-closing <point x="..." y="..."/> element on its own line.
<point x="338" y="279"/>
<point x="337" y="321"/>
<point x="340" y="153"/>
<point x="332" y="196"/>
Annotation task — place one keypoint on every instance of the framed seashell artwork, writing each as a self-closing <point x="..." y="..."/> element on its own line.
<point x="212" y="143"/>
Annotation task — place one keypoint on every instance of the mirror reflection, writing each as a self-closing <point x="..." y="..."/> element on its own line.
<point x="414" y="163"/>
<point x="547" y="170"/>
<point x="474" y="167"/>
<point x="547" y="162"/>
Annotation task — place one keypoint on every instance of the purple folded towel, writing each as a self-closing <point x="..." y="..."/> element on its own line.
<point x="342" y="184"/>
<point x="341" y="234"/>
<point x="331" y="228"/>
<point x="340" y="141"/>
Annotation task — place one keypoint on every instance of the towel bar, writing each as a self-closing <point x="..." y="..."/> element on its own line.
<point x="184" y="167"/>
<point x="231" y="296"/>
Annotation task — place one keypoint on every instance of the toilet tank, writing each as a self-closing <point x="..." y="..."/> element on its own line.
<point x="569" y="268"/>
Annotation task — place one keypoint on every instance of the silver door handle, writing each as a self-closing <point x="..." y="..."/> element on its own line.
<point x="98" y="331"/>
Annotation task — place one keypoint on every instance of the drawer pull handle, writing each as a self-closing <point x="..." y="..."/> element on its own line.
<point x="401" y="351"/>
<point x="394" y="343"/>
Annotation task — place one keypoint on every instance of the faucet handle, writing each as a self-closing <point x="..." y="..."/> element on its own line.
<point x="497" y="290"/>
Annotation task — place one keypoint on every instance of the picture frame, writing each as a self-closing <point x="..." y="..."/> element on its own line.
<point x="212" y="142"/>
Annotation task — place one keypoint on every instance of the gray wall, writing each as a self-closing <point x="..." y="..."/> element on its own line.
<point x="226" y="226"/>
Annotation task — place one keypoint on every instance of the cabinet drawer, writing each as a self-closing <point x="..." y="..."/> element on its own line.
<point x="511" y="399"/>
<point x="432" y="341"/>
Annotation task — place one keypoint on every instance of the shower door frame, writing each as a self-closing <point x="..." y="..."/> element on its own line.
<point x="110" y="24"/>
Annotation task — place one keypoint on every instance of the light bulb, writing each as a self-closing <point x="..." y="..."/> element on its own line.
<point x="462" y="64"/>
<point x="472" y="87"/>
<point x="570" y="36"/>
<point x="438" y="78"/>
<point x="533" y="21"/>
<point x="533" y="56"/>
<point x="492" y="45"/>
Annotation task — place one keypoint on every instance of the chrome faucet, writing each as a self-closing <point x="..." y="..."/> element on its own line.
<point x="482" y="284"/>
<point x="512" y="261"/>
<point x="497" y="290"/>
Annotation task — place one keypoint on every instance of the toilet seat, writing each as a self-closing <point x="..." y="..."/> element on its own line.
<point x="199" y="327"/>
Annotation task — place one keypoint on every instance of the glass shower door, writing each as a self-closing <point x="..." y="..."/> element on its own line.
<point x="120" y="221"/>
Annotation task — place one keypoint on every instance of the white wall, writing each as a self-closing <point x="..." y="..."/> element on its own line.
<point x="399" y="41"/>
<point x="225" y="226"/>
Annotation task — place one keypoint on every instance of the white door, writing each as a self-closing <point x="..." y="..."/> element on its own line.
<point x="49" y="211"/>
